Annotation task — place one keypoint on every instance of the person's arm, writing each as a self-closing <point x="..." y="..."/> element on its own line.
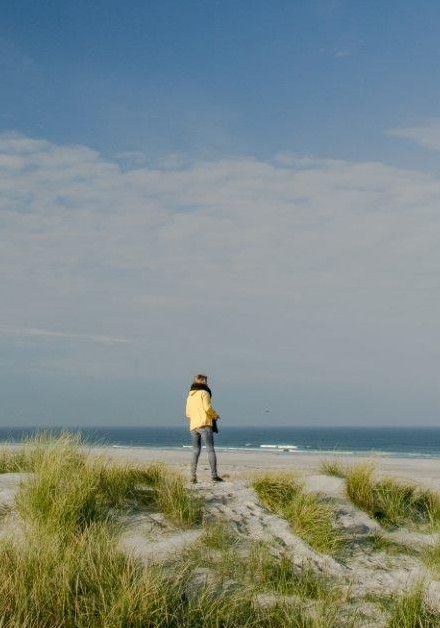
<point x="208" y="407"/>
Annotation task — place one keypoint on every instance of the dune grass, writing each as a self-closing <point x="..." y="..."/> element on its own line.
<point x="26" y="456"/>
<point x="89" y="583"/>
<point x="81" y="581"/>
<point x="175" y="501"/>
<point x="333" y="467"/>
<point x="67" y="571"/>
<point x="272" y="572"/>
<point x="311" y="519"/>
<point x="261" y="569"/>
<point x="431" y="557"/>
<point x="218" y="535"/>
<point x="86" y="582"/>
<point x="70" y="489"/>
<point x="410" y="611"/>
<point x="379" y="542"/>
<point x="392" y="502"/>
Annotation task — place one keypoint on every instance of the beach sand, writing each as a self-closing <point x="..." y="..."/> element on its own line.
<point x="236" y="464"/>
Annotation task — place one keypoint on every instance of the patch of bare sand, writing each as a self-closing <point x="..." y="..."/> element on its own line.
<point x="239" y="464"/>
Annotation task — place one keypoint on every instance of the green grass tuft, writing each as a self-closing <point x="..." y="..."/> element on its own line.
<point x="67" y="570"/>
<point x="392" y="502"/>
<point x="218" y="535"/>
<point x="176" y="502"/>
<point x="260" y="568"/>
<point x="26" y="456"/>
<point x="85" y="582"/>
<point x="333" y="467"/>
<point x="409" y="611"/>
<point x="70" y="489"/>
<point x="309" y="518"/>
<point x="431" y="557"/>
<point x="271" y="572"/>
<point x="88" y="582"/>
<point x="380" y="543"/>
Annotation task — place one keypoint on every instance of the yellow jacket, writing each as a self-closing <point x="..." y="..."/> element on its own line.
<point x="199" y="409"/>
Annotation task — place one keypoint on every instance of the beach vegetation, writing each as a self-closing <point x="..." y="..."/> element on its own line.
<point x="333" y="467"/>
<point x="431" y="557"/>
<point x="309" y="518"/>
<point x="25" y="457"/>
<point x="218" y="535"/>
<point x="69" y="489"/>
<point x="266" y="572"/>
<point x="86" y="581"/>
<point x="392" y="502"/>
<point x="379" y="542"/>
<point x="64" y="566"/>
<point x="410" y="611"/>
<point x="271" y="571"/>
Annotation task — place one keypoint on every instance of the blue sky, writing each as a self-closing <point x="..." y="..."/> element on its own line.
<point x="246" y="188"/>
<point x="320" y="77"/>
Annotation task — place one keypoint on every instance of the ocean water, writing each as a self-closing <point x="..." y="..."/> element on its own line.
<point x="400" y="441"/>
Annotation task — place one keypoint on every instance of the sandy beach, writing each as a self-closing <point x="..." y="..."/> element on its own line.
<point x="236" y="464"/>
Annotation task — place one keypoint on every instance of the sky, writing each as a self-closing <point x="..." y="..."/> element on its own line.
<point x="246" y="189"/>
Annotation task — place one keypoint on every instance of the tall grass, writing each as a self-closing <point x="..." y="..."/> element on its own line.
<point x="88" y="583"/>
<point x="392" y="502"/>
<point x="308" y="517"/>
<point x="409" y="611"/>
<point x="27" y="456"/>
<point x="333" y="467"/>
<point x="431" y="557"/>
<point x="67" y="571"/>
<point x="70" y="489"/>
<point x="173" y="499"/>
<point x="83" y="582"/>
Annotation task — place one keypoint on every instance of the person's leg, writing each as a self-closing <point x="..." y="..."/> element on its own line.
<point x="208" y="439"/>
<point x="196" y="443"/>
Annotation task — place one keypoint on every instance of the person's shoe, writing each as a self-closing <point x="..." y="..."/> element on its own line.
<point x="217" y="479"/>
<point x="193" y="480"/>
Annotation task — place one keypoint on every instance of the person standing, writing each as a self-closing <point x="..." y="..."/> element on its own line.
<point x="202" y="424"/>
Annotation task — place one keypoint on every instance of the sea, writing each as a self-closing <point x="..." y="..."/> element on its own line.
<point x="286" y="440"/>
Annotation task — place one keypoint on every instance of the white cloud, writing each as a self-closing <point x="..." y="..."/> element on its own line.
<point x="300" y="267"/>
<point x="19" y="332"/>
<point x="427" y="135"/>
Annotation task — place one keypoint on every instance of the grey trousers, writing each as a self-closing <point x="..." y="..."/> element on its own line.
<point x="206" y="434"/>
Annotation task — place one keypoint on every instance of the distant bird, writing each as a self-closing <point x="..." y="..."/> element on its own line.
<point x="267" y="410"/>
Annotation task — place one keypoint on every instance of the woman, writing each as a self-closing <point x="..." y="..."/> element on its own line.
<point x="201" y="417"/>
